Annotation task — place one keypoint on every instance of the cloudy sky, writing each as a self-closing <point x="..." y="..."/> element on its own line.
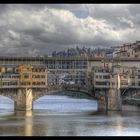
<point x="38" y="29"/>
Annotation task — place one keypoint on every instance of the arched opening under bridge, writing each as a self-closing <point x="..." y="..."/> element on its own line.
<point x="66" y="101"/>
<point x="6" y="103"/>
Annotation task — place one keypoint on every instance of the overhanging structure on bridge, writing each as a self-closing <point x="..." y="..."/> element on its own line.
<point x="19" y="82"/>
<point x="29" y="75"/>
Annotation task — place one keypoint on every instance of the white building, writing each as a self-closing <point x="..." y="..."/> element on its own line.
<point x="106" y="77"/>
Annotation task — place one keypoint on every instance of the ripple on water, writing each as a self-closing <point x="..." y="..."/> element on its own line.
<point x="64" y="116"/>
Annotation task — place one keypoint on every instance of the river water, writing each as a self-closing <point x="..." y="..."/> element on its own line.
<point x="64" y="116"/>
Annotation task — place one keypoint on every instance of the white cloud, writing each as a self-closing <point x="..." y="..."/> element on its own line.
<point x="60" y="26"/>
<point x="124" y="20"/>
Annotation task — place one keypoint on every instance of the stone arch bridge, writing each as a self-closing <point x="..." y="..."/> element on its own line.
<point x="23" y="98"/>
<point x="107" y="99"/>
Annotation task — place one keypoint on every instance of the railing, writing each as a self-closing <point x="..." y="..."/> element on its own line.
<point x="67" y="87"/>
<point x="53" y="87"/>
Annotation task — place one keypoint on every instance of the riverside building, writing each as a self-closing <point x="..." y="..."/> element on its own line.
<point x="23" y="76"/>
<point x="107" y="76"/>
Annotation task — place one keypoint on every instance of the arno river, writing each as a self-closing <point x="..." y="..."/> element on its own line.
<point x="64" y="116"/>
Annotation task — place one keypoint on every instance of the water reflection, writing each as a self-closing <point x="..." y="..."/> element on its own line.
<point x="64" y="116"/>
<point x="28" y="125"/>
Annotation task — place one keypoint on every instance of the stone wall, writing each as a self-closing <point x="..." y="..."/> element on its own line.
<point x="24" y="100"/>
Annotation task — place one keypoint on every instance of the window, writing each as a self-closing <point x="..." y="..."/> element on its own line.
<point x="101" y="83"/>
<point x="43" y="83"/>
<point x="124" y="77"/>
<point x="106" y="77"/>
<point x="26" y="76"/>
<point x="113" y="84"/>
<point x="133" y="84"/>
<point x="42" y="76"/>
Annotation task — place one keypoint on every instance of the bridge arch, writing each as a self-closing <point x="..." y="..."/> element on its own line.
<point x="24" y="98"/>
<point x="84" y="95"/>
<point x="11" y="96"/>
<point x="130" y="93"/>
<point x="6" y="103"/>
<point x="87" y="95"/>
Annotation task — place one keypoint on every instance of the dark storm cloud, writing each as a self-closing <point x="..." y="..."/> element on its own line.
<point x="38" y="29"/>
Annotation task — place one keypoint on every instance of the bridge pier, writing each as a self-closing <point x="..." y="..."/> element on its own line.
<point x="111" y="100"/>
<point x="24" y="100"/>
<point x="114" y="100"/>
<point x="102" y="105"/>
